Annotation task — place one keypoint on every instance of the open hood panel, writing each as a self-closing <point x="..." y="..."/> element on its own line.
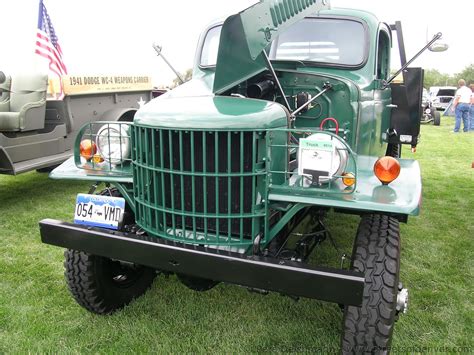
<point x="244" y="36"/>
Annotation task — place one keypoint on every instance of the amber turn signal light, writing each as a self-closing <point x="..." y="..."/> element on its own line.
<point x="97" y="158"/>
<point x="387" y="169"/>
<point x="87" y="149"/>
<point x="348" y="179"/>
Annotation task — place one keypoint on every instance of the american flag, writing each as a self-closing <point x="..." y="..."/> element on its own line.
<point x="47" y="45"/>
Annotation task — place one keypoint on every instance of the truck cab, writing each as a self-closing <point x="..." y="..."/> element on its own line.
<point x="291" y="113"/>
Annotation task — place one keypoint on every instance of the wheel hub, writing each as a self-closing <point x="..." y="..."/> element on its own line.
<point x="402" y="300"/>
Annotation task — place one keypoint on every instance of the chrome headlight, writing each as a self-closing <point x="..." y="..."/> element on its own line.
<point x="113" y="143"/>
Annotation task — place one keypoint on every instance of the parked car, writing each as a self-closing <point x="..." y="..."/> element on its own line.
<point x="286" y="118"/>
<point x="442" y="96"/>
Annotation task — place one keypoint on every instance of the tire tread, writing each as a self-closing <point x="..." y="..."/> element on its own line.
<point x="368" y="329"/>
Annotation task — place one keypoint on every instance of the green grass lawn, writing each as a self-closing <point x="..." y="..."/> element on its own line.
<point x="37" y="314"/>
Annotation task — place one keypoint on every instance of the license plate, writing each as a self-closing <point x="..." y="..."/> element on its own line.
<point x="99" y="211"/>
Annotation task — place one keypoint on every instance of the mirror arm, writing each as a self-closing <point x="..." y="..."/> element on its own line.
<point x="428" y="45"/>
<point x="272" y="71"/>
<point x="157" y="49"/>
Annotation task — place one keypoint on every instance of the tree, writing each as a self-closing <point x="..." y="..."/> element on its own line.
<point x="188" y="74"/>
<point x="434" y="78"/>
<point x="467" y="74"/>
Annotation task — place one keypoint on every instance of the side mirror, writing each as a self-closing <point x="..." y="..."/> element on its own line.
<point x="438" y="47"/>
<point x="431" y="44"/>
<point x="2" y="77"/>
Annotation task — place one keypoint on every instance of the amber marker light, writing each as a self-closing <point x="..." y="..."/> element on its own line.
<point x="87" y="149"/>
<point x="387" y="169"/>
<point x="97" y="158"/>
<point x="348" y="179"/>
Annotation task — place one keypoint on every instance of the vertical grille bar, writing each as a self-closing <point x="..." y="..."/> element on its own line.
<point x="171" y="175"/>
<point x="193" y="187"/>
<point x="140" y="170"/>
<point x="147" y="173"/>
<point x="254" y="163"/>
<point x="229" y="188"/>
<point x="136" y="187"/>
<point x="216" y="165"/>
<point x="268" y="142"/>
<point x="181" y="178"/>
<point x="155" y="178"/>
<point x="204" y="180"/>
<point x="162" y="176"/>
<point x="241" y="160"/>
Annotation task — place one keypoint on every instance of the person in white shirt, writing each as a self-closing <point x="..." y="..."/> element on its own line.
<point x="471" y="110"/>
<point x="462" y="103"/>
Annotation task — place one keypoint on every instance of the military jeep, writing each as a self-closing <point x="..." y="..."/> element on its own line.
<point x="291" y="113"/>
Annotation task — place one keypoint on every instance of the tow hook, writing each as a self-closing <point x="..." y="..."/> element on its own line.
<point x="402" y="299"/>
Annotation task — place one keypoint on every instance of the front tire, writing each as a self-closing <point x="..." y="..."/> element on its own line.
<point x="436" y="118"/>
<point x="369" y="328"/>
<point x="394" y="150"/>
<point x="102" y="285"/>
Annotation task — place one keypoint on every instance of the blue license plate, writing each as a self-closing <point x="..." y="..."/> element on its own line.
<point x="99" y="211"/>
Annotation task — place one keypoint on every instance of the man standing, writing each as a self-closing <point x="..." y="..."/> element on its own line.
<point x="461" y="105"/>
<point x="471" y="110"/>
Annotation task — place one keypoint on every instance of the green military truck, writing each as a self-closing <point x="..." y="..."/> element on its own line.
<point x="38" y="132"/>
<point x="290" y="113"/>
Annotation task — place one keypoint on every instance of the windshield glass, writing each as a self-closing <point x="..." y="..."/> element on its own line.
<point x="331" y="41"/>
<point x="328" y="41"/>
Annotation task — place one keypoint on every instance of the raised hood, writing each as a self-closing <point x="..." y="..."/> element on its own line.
<point x="244" y="36"/>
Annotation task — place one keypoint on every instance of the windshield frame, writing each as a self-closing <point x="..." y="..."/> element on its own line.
<point x="272" y="47"/>
<point x="201" y="49"/>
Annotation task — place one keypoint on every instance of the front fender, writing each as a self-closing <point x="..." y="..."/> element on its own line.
<point x="402" y="196"/>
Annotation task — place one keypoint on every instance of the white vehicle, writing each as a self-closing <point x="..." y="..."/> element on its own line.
<point x="441" y="96"/>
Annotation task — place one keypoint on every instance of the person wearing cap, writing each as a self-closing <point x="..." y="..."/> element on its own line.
<point x="462" y="103"/>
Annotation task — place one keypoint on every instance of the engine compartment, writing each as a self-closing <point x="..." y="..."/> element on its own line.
<point x="340" y="102"/>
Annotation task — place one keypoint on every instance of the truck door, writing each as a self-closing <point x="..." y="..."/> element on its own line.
<point x="406" y="99"/>
<point x="407" y="96"/>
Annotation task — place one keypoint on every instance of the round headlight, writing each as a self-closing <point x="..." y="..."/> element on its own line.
<point x="113" y="143"/>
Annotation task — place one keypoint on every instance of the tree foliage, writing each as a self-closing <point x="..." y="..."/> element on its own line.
<point x="187" y="75"/>
<point x="435" y="78"/>
<point x="467" y="74"/>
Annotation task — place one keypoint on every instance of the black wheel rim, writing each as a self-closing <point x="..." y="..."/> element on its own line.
<point x="123" y="276"/>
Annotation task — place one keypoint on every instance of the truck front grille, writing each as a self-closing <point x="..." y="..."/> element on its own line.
<point x="199" y="187"/>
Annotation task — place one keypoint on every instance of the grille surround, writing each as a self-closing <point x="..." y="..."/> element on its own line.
<point x="223" y="177"/>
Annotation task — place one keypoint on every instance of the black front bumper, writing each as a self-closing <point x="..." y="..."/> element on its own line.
<point x="286" y="277"/>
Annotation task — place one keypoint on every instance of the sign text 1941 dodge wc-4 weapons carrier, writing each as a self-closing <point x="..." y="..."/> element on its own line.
<point x="290" y="113"/>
